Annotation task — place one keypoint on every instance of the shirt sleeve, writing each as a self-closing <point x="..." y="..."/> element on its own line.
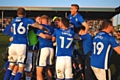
<point x="69" y="16"/>
<point x="113" y="42"/>
<point x="38" y="32"/>
<point x="30" y="21"/>
<point x="12" y="22"/>
<point x="80" y="19"/>
<point x="83" y="37"/>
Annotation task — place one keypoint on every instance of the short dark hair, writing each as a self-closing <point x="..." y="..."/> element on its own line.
<point x="44" y="17"/>
<point x="106" y="23"/>
<point x="38" y="16"/>
<point x="65" y="22"/>
<point x="76" y="5"/>
<point x="79" y="28"/>
<point x="82" y="28"/>
<point x="21" y="11"/>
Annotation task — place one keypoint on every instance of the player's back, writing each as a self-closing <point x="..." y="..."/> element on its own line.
<point x="64" y="39"/>
<point x="102" y="44"/>
<point x="20" y="29"/>
<point x="87" y="43"/>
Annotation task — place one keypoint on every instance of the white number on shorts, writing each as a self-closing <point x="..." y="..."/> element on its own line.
<point x="98" y="47"/>
<point x="63" y="40"/>
<point x="21" y="29"/>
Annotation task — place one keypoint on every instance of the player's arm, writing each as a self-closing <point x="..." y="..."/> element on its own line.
<point x="11" y="29"/>
<point x="117" y="49"/>
<point x="86" y="26"/>
<point x="114" y="44"/>
<point x="77" y="38"/>
<point x="117" y="36"/>
<point x="54" y="36"/>
<point x="11" y="39"/>
<point x="53" y="39"/>
<point x="81" y="20"/>
<point x="45" y="36"/>
<point x="36" y="25"/>
<point x="115" y="33"/>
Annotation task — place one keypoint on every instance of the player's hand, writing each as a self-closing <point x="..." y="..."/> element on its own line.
<point x="11" y="39"/>
<point x="45" y="29"/>
<point x="36" y="25"/>
<point x="54" y="44"/>
<point x="118" y="36"/>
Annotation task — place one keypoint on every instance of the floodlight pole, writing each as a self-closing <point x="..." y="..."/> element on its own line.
<point x="117" y="20"/>
<point x="66" y="15"/>
<point x="2" y="18"/>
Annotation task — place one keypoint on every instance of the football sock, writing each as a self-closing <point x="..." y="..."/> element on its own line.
<point x="28" y="78"/>
<point x="12" y="76"/>
<point x="18" y="76"/>
<point x="7" y="74"/>
<point x="6" y="65"/>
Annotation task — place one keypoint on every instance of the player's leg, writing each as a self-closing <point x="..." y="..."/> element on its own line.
<point x="41" y="63"/>
<point x="35" y="52"/>
<point x="14" y="72"/>
<point x="29" y="65"/>
<point x="60" y="67"/>
<point x="6" y="65"/>
<point x="12" y="59"/>
<point x="49" y="63"/>
<point x="21" y="52"/>
<point x="49" y="74"/>
<point x="39" y="73"/>
<point x="68" y="68"/>
<point x="89" y="74"/>
<point x="38" y="68"/>
<point x="9" y="71"/>
<point x="102" y="74"/>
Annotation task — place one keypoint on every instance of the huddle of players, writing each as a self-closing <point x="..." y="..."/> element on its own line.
<point x="64" y="37"/>
<point x="46" y="36"/>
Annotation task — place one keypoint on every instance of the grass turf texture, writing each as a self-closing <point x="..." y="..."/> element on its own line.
<point x="4" y="41"/>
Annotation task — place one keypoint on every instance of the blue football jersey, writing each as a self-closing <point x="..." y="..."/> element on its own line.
<point x="87" y="43"/>
<point x="64" y="39"/>
<point x="103" y="44"/>
<point x="45" y="42"/>
<point x="76" y="20"/>
<point x="20" y="30"/>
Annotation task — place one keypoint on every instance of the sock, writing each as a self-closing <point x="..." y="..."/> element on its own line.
<point x="12" y="76"/>
<point x="28" y="78"/>
<point x="6" y="65"/>
<point x="7" y="74"/>
<point x="18" y="76"/>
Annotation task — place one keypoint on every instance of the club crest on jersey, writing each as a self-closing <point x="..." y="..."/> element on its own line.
<point x="76" y="19"/>
<point x="18" y="19"/>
